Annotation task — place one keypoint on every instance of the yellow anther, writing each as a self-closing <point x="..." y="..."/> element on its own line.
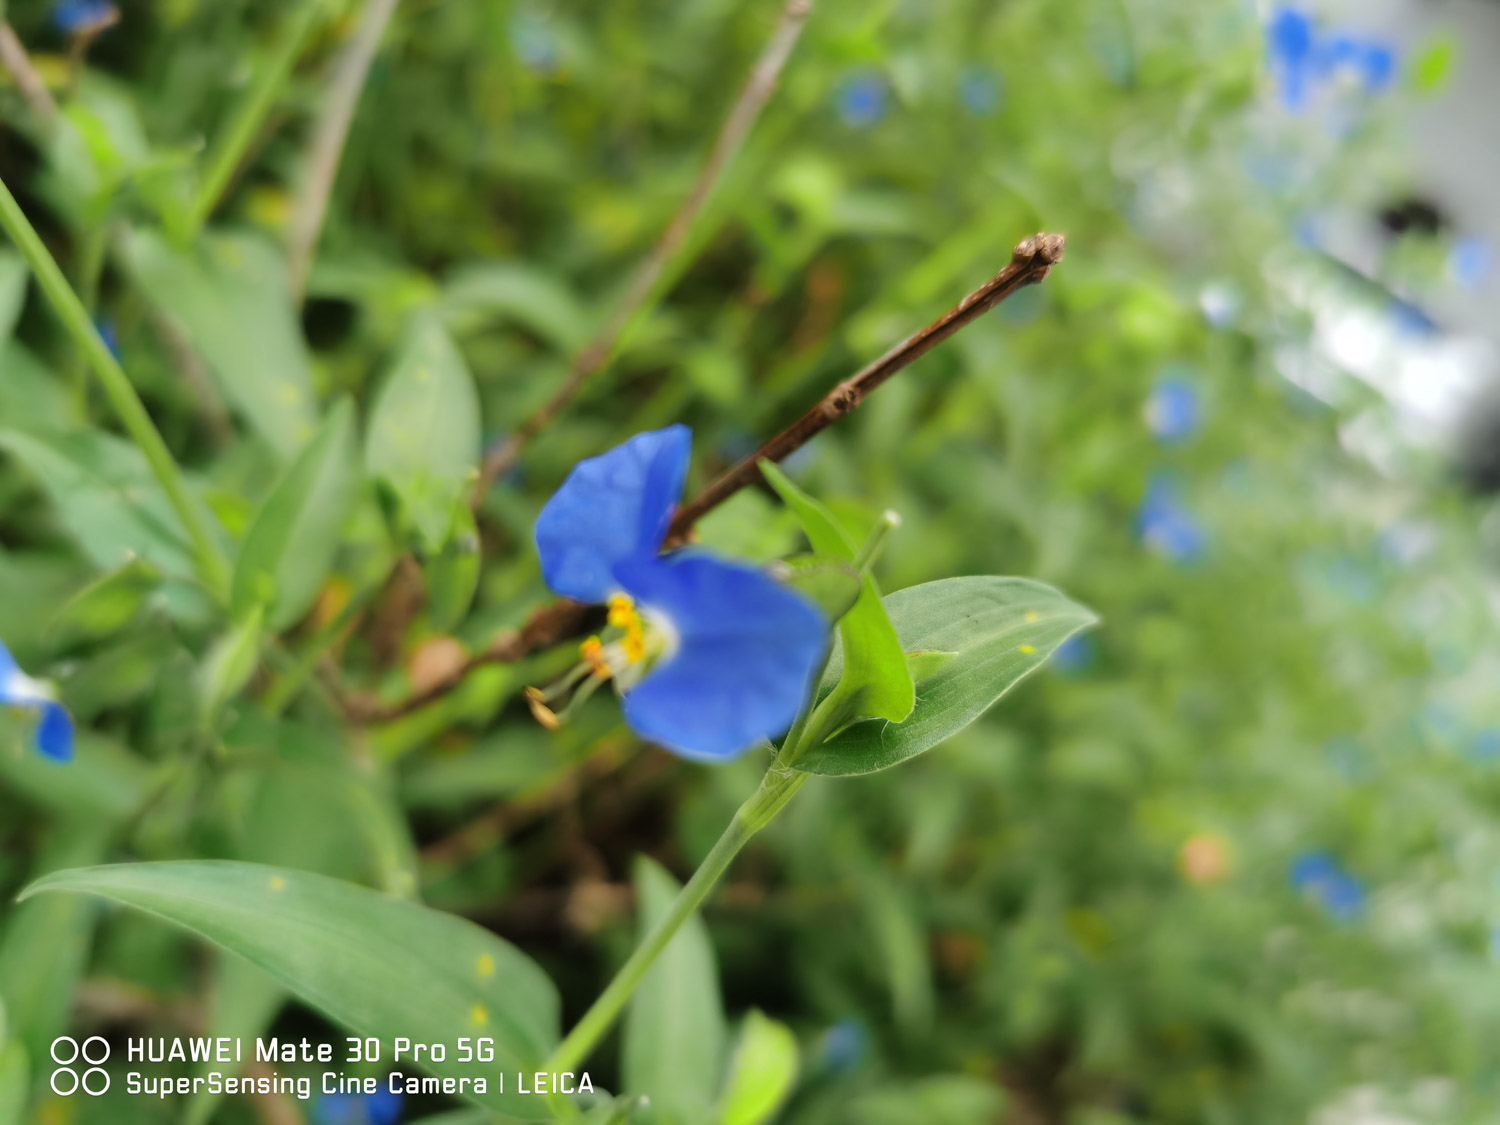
<point x="593" y="655"/>
<point x="536" y="699"/>
<point x="622" y="612"/>
<point x="634" y="645"/>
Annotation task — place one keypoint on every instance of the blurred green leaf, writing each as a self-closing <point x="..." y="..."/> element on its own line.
<point x="228" y="666"/>
<point x="423" y="439"/>
<point x="104" y="781"/>
<point x="672" y="1045"/>
<point x="231" y="295"/>
<point x="14" y="274"/>
<point x="14" y="1083"/>
<point x="762" y="1072"/>
<point x="105" y="496"/>
<point x="242" y="1005"/>
<point x="533" y="297"/>
<point x="876" y="682"/>
<point x="374" y="965"/>
<point x="453" y="574"/>
<point x="832" y="583"/>
<point x="1432" y="69"/>
<point x="106" y="605"/>
<point x="1002" y="630"/>
<point x="290" y="547"/>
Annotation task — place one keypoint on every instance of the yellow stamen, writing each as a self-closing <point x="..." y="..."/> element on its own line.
<point x="622" y="611"/>
<point x="536" y="699"/>
<point x="593" y="655"/>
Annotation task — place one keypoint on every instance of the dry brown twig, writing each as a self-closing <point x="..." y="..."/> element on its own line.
<point x="33" y="87"/>
<point x="593" y="359"/>
<point x="1030" y="263"/>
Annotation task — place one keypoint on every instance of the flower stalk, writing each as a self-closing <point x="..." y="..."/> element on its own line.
<point x="778" y="787"/>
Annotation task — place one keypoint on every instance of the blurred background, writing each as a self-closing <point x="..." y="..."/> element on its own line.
<point x="1231" y="858"/>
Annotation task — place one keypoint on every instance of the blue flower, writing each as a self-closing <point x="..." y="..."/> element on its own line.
<point x="1301" y="57"/>
<point x="710" y="656"/>
<point x="845" y="1046"/>
<point x="1289" y="39"/>
<point x="979" y="89"/>
<point x="862" y="100"/>
<point x="1320" y="877"/>
<point x="1172" y="410"/>
<point x="82" y="17"/>
<point x="110" y="335"/>
<point x="54" y="730"/>
<point x="1074" y="656"/>
<point x="1166" y="527"/>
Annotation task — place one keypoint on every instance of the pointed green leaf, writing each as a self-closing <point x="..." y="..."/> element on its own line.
<point x="834" y="584"/>
<point x="423" y="440"/>
<point x="1001" y="630"/>
<point x="877" y="682"/>
<point x="290" y="547"/>
<point x="375" y="965"/>
<point x="453" y="576"/>
<point x="228" y="667"/>
<point x="761" y="1073"/>
<point x="230" y="293"/>
<point x="535" y="298"/>
<point x="106" y="605"/>
<point x="673" y="1040"/>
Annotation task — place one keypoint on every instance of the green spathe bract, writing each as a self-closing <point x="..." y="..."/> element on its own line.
<point x="375" y="965"/>
<point x="999" y="631"/>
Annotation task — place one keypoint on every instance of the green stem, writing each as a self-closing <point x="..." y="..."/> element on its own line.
<point x="213" y="567"/>
<point x="231" y="149"/>
<point x="869" y="554"/>
<point x="779" y="786"/>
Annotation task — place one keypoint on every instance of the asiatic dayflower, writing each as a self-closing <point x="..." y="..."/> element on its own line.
<point x="1323" y="879"/>
<point x="380" y="1108"/>
<point x="1172" y="410"/>
<point x="54" y="728"/>
<point x="709" y="656"/>
<point x="1166" y="526"/>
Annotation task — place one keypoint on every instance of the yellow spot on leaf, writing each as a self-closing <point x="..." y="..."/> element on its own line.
<point x="1028" y="649"/>
<point x="485" y="967"/>
<point x="278" y="884"/>
<point x="479" y="1016"/>
<point x="1033" y="615"/>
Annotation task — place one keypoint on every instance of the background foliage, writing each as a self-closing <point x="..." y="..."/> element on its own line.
<point x="1229" y="859"/>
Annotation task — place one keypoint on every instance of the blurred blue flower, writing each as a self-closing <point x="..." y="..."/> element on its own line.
<point x="1300" y="57"/>
<point x="380" y="1108"/>
<point x="1411" y="322"/>
<point x="1172" y="410"/>
<point x="862" y="99"/>
<point x="979" y="89"/>
<point x="54" y="729"/>
<point x="1166" y="527"/>
<point x="1074" y="656"/>
<point x="78" y="17"/>
<point x="1469" y="262"/>
<point x="710" y="656"/>
<point x="845" y="1046"/>
<point x="1321" y="878"/>
<point x="1487" y="745"/>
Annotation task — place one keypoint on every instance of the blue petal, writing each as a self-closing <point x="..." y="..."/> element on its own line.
<point x="611" y="509"/>
<point x="8" y="668"/>
<point x="748" y="649"/>
<point x="383" y="1107"/>
<point x="54" y="733"/>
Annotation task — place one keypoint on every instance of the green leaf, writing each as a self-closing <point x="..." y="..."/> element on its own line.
<point x="290" y="547"/>
<point x="423" y="439"/>
<point x="231" y="295"/>
<point x="45" y="945"/>
<point x="13" y="1084"/>
<point x="876" y="683"/>
<point x="106" y="605"/>
<point x="834" y="584"/>
<point x="228" y="667"/>
<point x="453" y="576"/>
<point x="1001" y="630"/>
<point x="375" y="965"/>
<point x="762" y="1072"/>
<point x="673" y="1039"/>
<point x="534" y="298"/>
<point x="104" y="782"/>
<point x="244" y="1003"/>
<point x="14" y="273"/>
<point x="105" y="496"/>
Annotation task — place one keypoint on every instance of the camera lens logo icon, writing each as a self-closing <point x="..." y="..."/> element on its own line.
<point x="72" y="1057"/>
